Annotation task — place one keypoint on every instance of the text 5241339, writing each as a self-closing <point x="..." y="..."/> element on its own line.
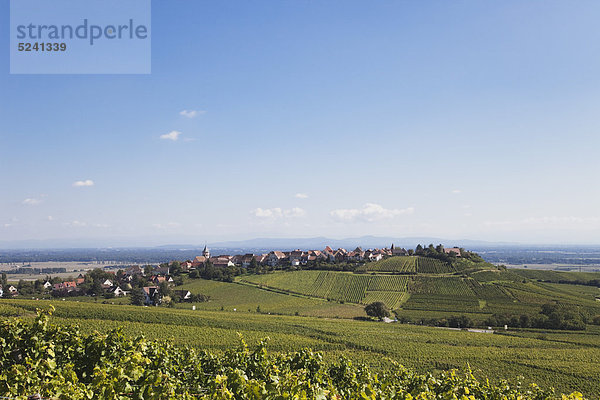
<point x="41" y="46"/>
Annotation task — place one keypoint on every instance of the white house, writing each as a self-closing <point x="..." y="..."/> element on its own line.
<point x="151" y="295"/>
<point x="118" y="291"/>
<point x="275" y="257"/>
<point x="184" y="294"/>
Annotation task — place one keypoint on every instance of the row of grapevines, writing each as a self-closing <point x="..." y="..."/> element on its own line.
<point x="396" y="283"/>
<point x="427" y="265"/>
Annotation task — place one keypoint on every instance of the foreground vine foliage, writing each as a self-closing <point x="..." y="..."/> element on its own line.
<point x="58" y="362"/>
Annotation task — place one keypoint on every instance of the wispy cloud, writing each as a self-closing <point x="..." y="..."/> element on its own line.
<point x="87" y="182"/>
<point x="32" y="202"/>
<point x="370" y="212"/>
<point x="173" y="135"/>
<point x="456" y="191"/>
<point x="301" y="196"/>
<point x="277" y="212"/>
<point x="51" y="218"/>
<point x="191" y="113"/>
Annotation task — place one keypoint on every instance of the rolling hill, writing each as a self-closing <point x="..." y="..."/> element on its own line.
<point x="421" y="286"/>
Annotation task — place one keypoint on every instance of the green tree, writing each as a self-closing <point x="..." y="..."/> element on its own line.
<point x="137" y="297"/>
<point x="165" y="289"/>
<point x="175" y="268"/>
<point x="377" y="310"/>
<point x="253" y="267"/>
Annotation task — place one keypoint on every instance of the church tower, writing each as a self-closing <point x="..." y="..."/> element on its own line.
<point x="205" y="252"/>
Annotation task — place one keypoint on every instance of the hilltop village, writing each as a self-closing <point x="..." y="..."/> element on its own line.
<point x="299" y="257"/>
<point x="153" y="284"/>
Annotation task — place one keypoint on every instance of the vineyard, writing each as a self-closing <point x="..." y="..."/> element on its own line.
<point x="568" y="368"/>
<point x="341" y="287"/>
<point x="392" y="299"/>
<point x="426" y="265"/>
<point x="282" y="306"/>
<point x="389" y="283"/>
<point x="556" y="276"/>
<point x="240" y="296"/>
<point x="452" y="286"/>
<point x="409" y="265"/>
<point x="114" y="366"/>
<point x="400" y="264"/>
<point x="482" y="291"/>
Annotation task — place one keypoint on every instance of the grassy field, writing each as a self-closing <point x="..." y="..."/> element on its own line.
<point x="565" y="360"/>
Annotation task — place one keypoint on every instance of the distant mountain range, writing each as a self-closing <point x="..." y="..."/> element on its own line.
<point x="349" y="243"/>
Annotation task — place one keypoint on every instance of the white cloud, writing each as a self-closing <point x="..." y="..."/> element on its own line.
<point x="173" y="135"/>
<point x="274" y="213"/>
<point x="87" y="182"/>
<point x="51" y="218"/>
<point x="191" y="113"/>
<point x="301" y="196"/>
<point x="370" y="212"/>
<point x="294" y="212"/>
<point x="456" y="191"/>
<point x="32" y="202"/>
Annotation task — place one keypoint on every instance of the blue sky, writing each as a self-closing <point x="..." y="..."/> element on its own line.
<point x="455" y="119"/>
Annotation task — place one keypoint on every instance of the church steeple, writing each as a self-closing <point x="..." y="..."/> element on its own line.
<point x="205" y="252"/>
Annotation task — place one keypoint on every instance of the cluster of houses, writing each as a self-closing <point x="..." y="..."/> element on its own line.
<point x="10" y="290"/>
<point x="69" y="287"/>
<point x="152" y="294"/>
<point x="299" y="257"/>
